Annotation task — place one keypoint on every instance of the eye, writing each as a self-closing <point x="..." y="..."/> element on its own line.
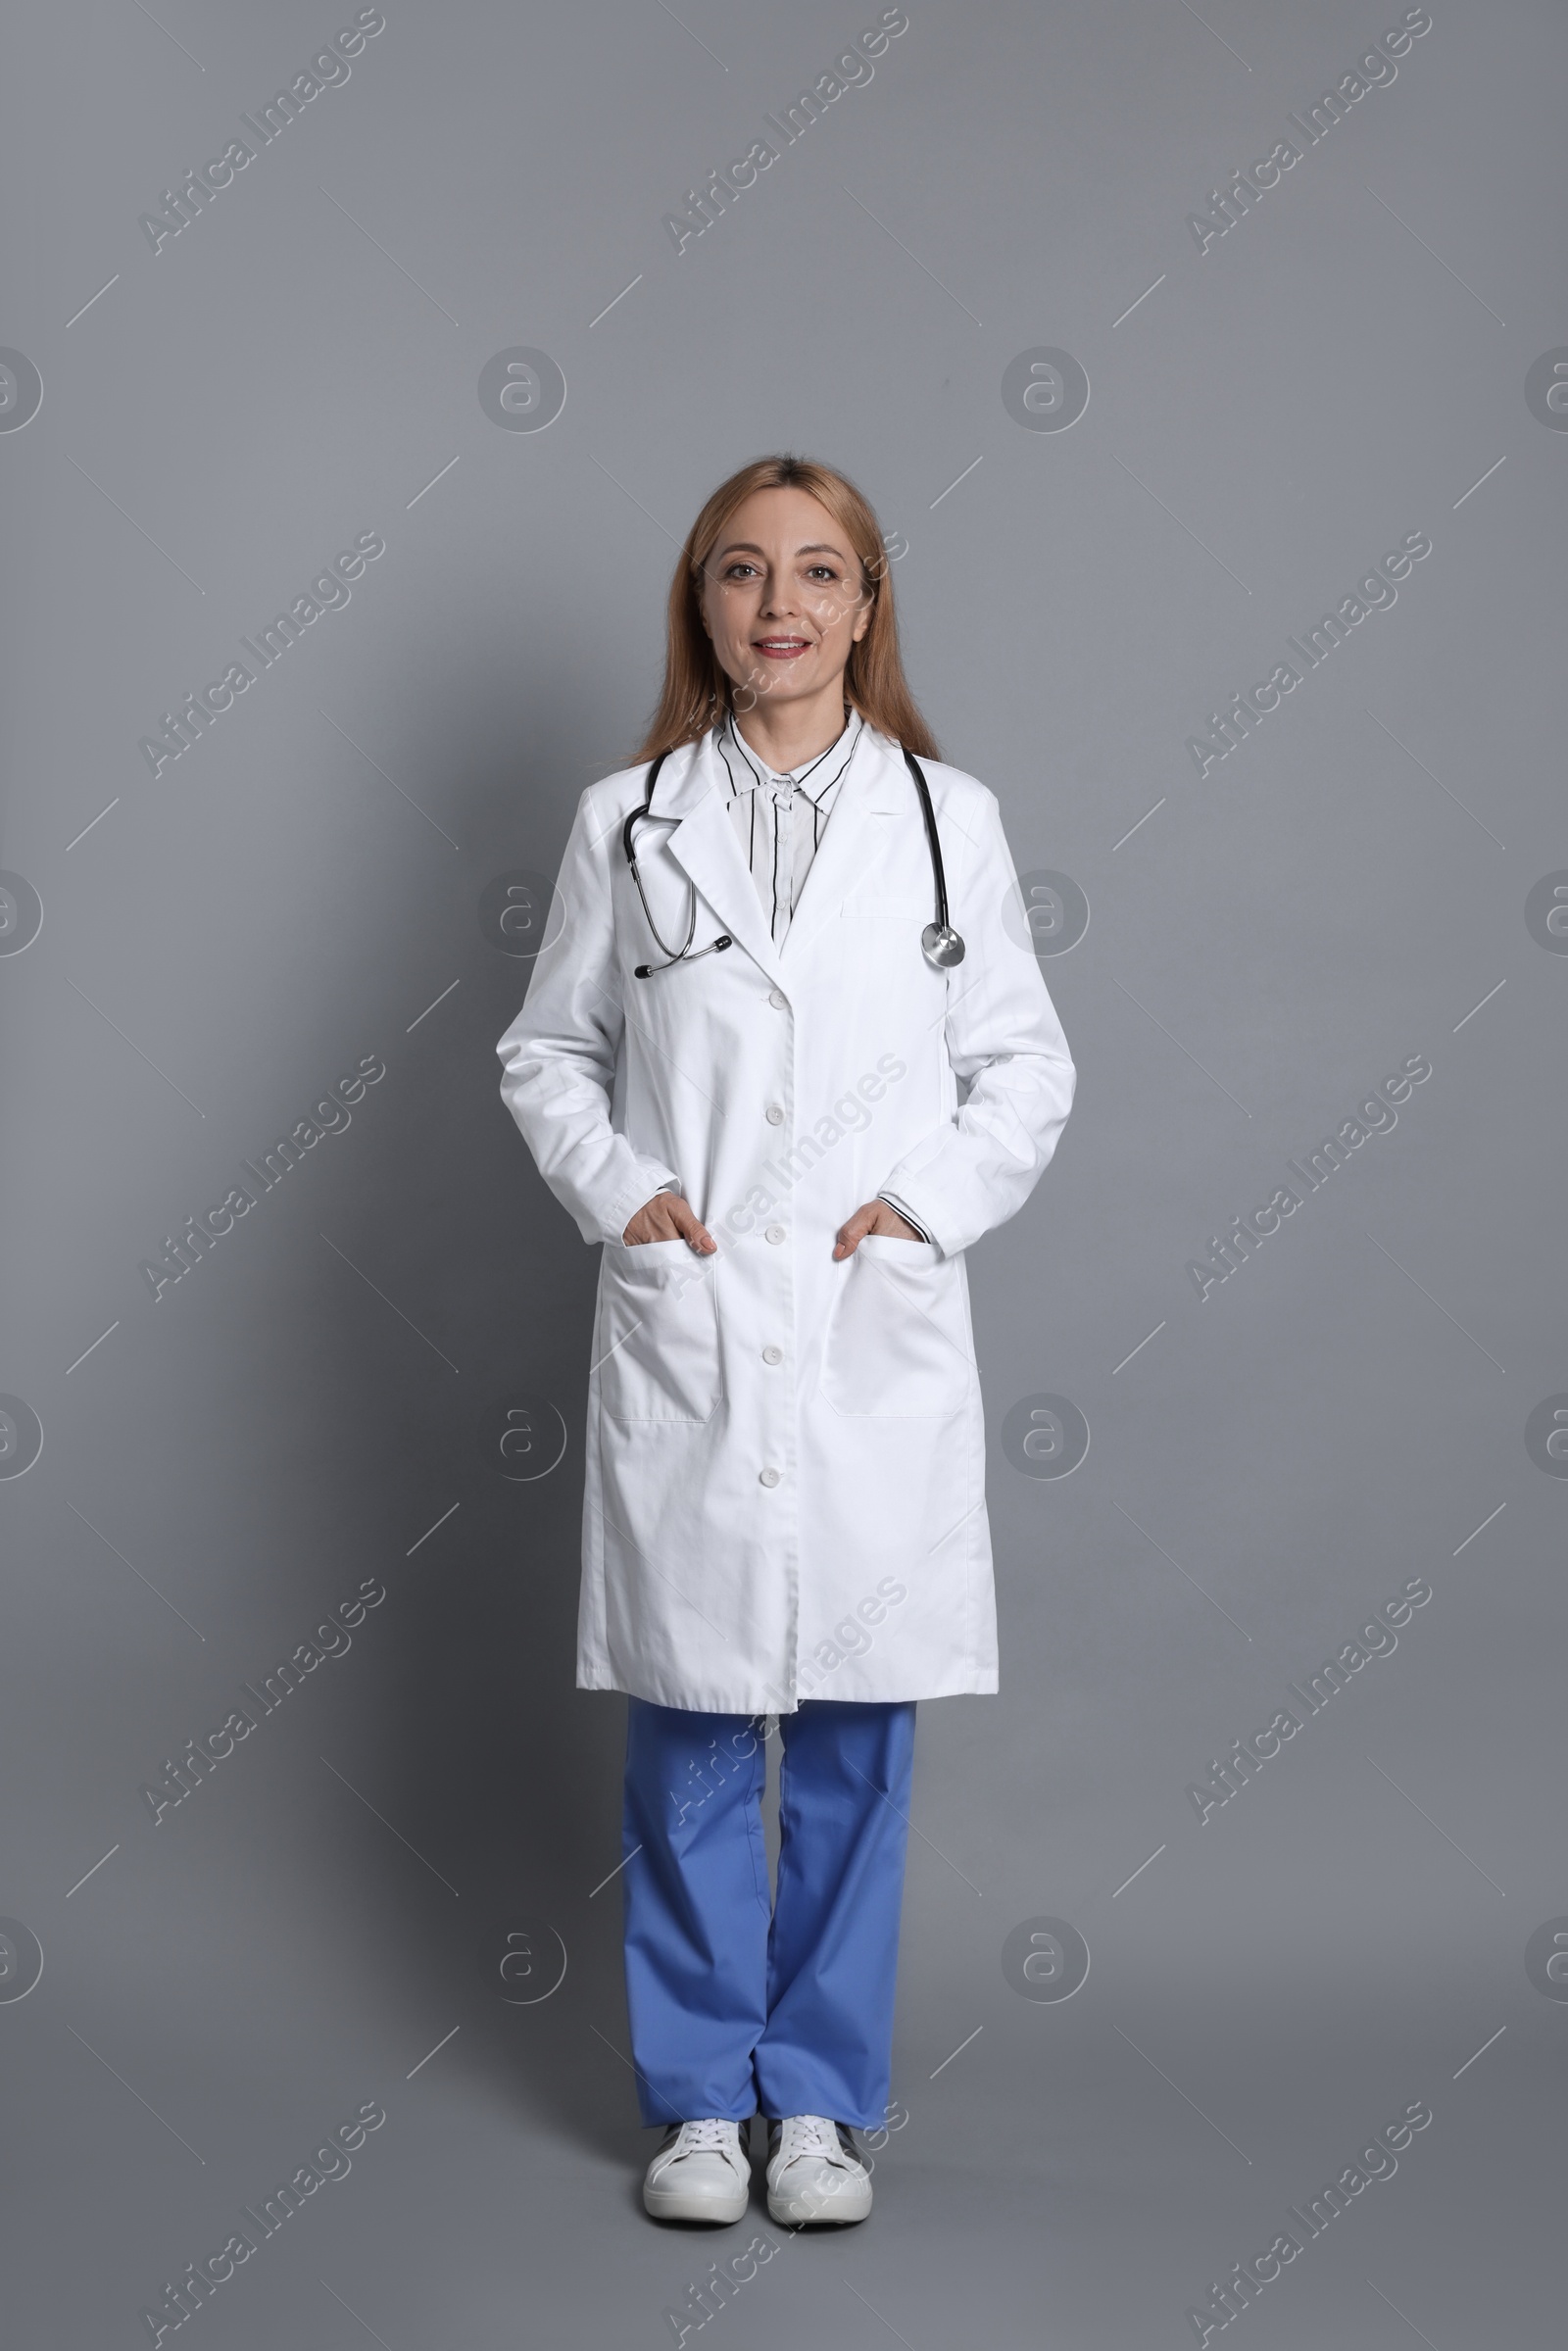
<point x="733" y="570"/>
<point x="821" y="571"/>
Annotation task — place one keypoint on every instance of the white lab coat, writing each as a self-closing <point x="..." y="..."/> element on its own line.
<point x="785" y="1488"/>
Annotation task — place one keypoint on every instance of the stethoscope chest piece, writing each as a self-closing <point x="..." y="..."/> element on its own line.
<point x="941" y="945"/>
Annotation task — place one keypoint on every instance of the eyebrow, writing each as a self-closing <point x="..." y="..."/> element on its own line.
<point x="750" y="547"/>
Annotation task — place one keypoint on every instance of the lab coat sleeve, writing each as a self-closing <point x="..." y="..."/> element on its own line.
<point x="559" y="1055"/>
<point x="1004" y="1039"/>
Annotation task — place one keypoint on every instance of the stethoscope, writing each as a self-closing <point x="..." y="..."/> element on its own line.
<point x="940" y="943"/>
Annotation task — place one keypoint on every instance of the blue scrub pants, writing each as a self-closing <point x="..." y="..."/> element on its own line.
<point x="740" y="2004"/>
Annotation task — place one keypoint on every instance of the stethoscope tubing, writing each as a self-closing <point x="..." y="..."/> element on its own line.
<point x="938" y="870"/>
<point x="941" y="943"/>
<point x="671" y="955"/>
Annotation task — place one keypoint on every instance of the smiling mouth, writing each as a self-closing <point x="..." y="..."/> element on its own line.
<point x="781" y="649"/>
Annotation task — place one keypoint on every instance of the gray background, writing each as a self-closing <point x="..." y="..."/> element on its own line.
<point x="297" y="1413"/>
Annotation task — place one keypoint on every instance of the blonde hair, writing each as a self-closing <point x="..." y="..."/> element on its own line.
<point x="696" y="692"/>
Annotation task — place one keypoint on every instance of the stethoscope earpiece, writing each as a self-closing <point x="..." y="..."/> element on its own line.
<point x="643" y="971"/>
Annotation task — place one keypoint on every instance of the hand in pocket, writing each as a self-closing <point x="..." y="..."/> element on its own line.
<point x="668" y="1217"/>
<point x="876" y="1217"/>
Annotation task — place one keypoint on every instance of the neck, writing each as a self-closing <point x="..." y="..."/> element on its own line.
<point x="787" y="735"/>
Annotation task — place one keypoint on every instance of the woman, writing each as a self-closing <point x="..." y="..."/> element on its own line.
<point x="740" y="1070"/>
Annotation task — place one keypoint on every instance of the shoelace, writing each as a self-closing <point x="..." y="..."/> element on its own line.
<point x="812" y="2134"/>
<point x="710" y="2136"/>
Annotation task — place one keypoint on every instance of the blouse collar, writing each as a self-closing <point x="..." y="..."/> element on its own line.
<point x="746" y="767"/>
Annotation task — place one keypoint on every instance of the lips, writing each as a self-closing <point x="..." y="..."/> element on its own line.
<point x="781" y="649"/>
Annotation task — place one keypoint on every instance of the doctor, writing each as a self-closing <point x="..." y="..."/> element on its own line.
<point x="786" y="1057"/>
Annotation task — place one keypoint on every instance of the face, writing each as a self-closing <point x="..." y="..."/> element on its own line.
<point x="782" y="600"/>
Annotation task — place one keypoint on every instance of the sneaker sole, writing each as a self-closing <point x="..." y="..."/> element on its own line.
<point x="677" y="2204"/>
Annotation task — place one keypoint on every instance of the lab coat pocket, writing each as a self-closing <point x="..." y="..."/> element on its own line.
<point x="656" y="1355"/>
<point x="897" y="1343"/>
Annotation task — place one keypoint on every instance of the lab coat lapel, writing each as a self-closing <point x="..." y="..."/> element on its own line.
<point x="704" y="845"/>
<point x="876" y="785"/>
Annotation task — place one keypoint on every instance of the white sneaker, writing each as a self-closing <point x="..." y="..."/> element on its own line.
<point x="700" y="2173"/>
<point x="815" y="2172"/>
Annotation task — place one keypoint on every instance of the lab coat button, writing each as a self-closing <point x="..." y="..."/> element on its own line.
<point x="769" y="1477"/>
<point x="772" y="1354"/>
<point x="775" y="1233"/>
<point x="778" y="999"/>
<point x="775" y="1116"/>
